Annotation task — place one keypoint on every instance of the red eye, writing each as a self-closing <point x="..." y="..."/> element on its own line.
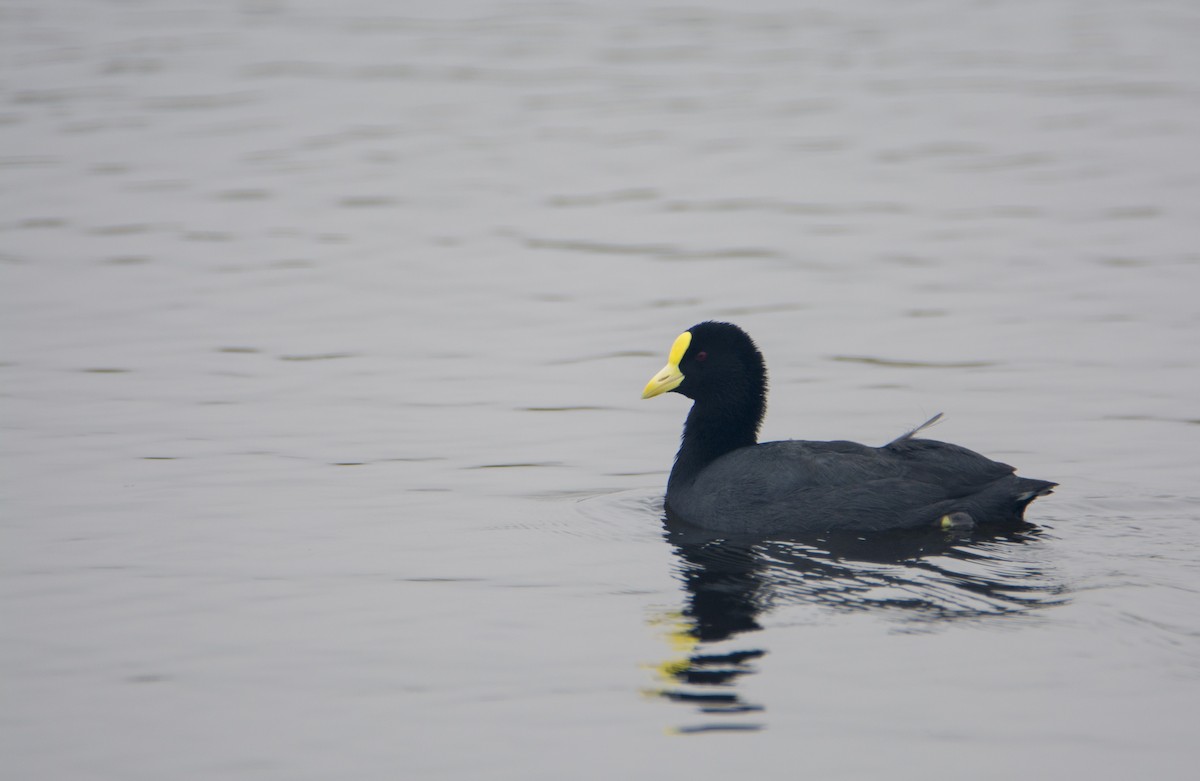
<point x="701" y="356"/>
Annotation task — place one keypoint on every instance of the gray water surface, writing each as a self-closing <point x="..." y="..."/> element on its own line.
<point x="322" y="330"/>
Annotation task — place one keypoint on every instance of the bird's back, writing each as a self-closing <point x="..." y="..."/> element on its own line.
<point x="798" y="485"/>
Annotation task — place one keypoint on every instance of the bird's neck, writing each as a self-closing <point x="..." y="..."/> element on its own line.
<point x="711" y="431"/>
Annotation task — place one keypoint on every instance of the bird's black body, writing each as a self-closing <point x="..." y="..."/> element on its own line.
<point x="724" y="479"/>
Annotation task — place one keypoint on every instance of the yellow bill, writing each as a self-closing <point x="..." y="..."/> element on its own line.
<point x="670" y="377"/>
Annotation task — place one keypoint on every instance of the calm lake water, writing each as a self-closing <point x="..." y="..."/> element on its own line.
<point x="324" y="326"/>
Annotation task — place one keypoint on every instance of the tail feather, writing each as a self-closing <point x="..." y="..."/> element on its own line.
<point x="1032" y="490"/>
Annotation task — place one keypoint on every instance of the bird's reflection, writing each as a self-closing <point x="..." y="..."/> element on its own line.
<point x="925" y="578"/>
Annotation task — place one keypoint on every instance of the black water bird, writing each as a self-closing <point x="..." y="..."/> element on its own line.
<point x="724" y="479"/>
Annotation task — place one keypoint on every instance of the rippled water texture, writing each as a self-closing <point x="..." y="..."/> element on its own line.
<point x="322" y="330"/>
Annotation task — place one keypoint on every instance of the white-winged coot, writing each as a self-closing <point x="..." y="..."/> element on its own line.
<point x="724" y="479"/>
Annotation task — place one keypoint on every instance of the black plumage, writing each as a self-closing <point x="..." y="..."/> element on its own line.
<point x="724" y="479"/>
